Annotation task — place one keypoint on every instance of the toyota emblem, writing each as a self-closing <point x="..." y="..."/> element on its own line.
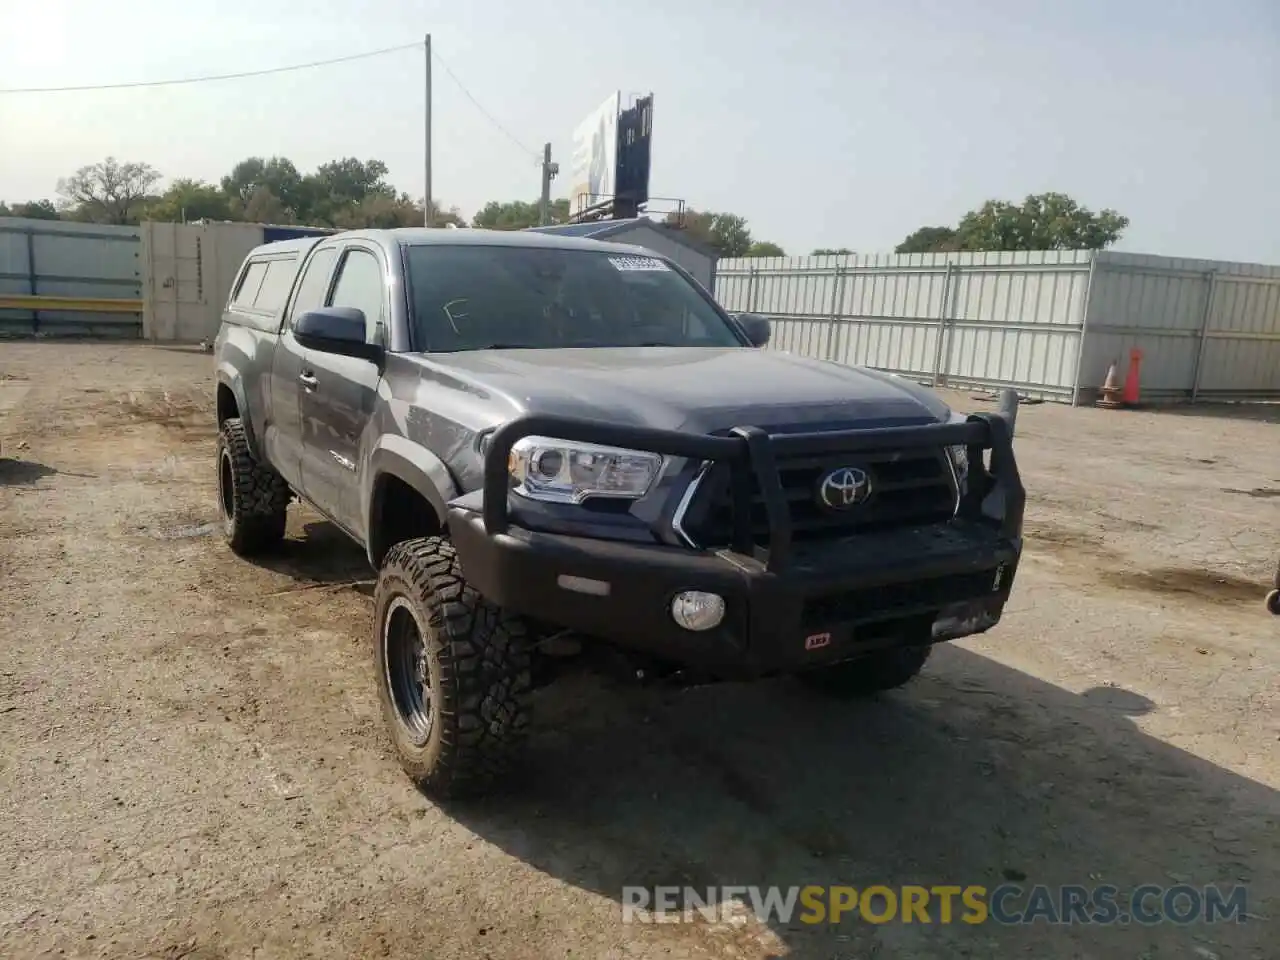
<point x="844" y="488"/>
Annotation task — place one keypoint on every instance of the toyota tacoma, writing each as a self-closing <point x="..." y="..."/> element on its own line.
<point x="546" y="444"/>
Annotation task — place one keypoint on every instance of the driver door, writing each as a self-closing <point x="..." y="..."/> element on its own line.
<point x="284" y="424"/>
<point x="338" y="393"/>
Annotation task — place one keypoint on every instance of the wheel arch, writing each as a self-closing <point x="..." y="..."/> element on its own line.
<point x="232" y="402"/>
<point x="406" y="493"/>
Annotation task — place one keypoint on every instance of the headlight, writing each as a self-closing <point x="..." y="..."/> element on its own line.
<point x="558" y="471"/>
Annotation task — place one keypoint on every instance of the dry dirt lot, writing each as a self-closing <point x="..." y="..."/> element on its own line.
<point x="192" y="764"/>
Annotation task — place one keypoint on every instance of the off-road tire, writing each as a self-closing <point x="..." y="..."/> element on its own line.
<point x="869" y="675"/>
<point x="1273" y="603"/>
<point x="252" y="498"/>
<point x="478" y="660"/>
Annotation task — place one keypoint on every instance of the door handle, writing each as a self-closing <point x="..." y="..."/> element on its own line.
<point x="308" y="381"/>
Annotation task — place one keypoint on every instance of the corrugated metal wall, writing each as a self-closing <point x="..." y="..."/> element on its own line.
<point x="60" y="258"/>
<point x="1048" y="323"/>
<point x="1206" y="329"/>
<point x="189" y="270"/>
<point x="1000" y="319"/>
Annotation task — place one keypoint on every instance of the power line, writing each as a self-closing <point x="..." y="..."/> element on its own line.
<point x="490" y="117"/>
<point x="222" y="76"/>
<point x="211" y="78"/>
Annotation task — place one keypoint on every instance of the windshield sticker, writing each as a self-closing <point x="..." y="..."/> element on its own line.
<point x="639" y="263"/>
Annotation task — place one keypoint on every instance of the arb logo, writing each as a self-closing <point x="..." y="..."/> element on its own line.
<point x="817" y="641"/>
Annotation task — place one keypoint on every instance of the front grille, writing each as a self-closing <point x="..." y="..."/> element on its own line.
<point x="908" y="488"/>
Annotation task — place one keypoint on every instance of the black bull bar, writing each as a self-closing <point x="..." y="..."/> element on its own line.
<point x="993" y="496"/>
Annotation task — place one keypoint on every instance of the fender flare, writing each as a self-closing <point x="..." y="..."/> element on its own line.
<point x="412" y="464"/>
<point x="229" y="377"/>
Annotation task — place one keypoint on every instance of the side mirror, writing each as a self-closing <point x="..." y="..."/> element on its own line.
<point x="756" y="328"/>
<point x="338" y="330"/>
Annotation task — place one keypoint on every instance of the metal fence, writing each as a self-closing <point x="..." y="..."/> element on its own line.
<point x="61" y="278"/>
<point x="1047" y="323"/>
<point x="1207" y="329"/>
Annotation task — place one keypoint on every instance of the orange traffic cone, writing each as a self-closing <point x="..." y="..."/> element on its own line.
<point x="1130" y="396"/>
<point x="1110" y="390"/>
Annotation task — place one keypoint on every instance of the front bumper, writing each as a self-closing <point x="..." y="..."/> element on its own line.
<point x="790" y="606"/>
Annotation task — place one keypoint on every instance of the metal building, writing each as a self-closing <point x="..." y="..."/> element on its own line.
<point x="671" y="242"/>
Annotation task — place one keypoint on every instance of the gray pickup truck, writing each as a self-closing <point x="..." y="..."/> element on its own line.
<point x="549" y="445"/>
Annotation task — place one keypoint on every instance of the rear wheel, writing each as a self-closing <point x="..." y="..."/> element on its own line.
<point x="452" y="670"/>
<point x="872" y="674"/>
<point x="252" y="497"/>
<point x="1273" y="602"/>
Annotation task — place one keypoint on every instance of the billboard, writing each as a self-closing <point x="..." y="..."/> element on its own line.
<point x="594" y="163"/>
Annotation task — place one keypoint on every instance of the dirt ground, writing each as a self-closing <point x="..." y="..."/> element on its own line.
<point x="192" y="764"/>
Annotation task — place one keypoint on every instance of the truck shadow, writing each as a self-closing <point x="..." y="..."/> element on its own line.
<point x="23" y="472"/>
<point x="975" y="774"/>
<point x="316" y="551"/>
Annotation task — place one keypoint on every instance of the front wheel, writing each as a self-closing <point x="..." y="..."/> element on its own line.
<point x="452" y="670"/>
<point x="874" y="673"/>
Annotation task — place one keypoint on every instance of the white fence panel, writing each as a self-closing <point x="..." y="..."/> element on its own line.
<point x="995" y="319"/>
<point x="1240" y="350"/>
<point x="1205" y="329"/>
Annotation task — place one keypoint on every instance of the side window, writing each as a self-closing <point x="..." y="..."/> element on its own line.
<point x="360" y="285"/>
<point x="249" y="284"/>
<point x="275" y="285"/>
<point x="314" y="284"/>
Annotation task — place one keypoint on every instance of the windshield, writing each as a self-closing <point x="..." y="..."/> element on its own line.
<point x="468" y="297"/>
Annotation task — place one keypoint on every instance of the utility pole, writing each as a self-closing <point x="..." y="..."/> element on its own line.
<point x="428" y="216"/>
<point x="549" y="171"/>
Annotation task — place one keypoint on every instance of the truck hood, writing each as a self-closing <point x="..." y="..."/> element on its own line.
<point x="691" y="388"/>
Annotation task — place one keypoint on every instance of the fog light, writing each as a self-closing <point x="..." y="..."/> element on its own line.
<point x="695" y="610"/>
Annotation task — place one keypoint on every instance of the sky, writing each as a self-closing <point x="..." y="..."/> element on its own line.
<point x="825" y="123"/>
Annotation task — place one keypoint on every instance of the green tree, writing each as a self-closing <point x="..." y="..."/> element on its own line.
<point x="763" y="248"/>
<point x="385" y="212"/>
<point x="352" y="179"/>
<point x="340" y="185"/>
<point x="108" y="192"/>
<point x="517" y="214"/>
<point x="31" y="210"/>
<point x="444" y="218"/>
<point x="278" y="176"/>
<point x="1045" y="221"/>
<point x="929" y="240"/>
<point x="190" y="200"/>
<point x="263" y="206"/>
<point x="379" y="212"/>
<point x="831" y="252"/>
<point x="727" y="233"/>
